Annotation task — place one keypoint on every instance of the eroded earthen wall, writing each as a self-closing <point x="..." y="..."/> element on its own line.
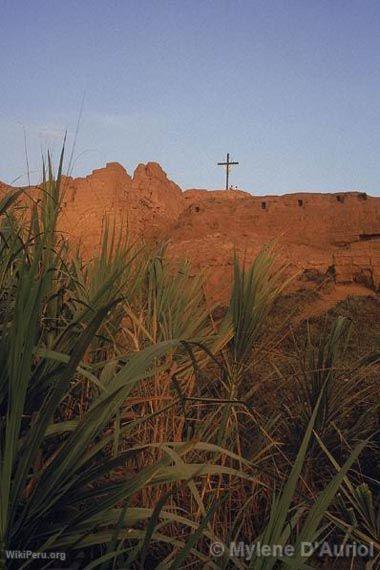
<point x="337" y="233"/>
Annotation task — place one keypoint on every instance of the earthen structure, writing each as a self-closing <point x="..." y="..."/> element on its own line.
<point x="316" y="234"/>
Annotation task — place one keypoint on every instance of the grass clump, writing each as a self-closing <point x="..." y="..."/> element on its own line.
<point x="135" y="430"/>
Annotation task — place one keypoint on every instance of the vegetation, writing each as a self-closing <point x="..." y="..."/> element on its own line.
<point x="135" y="430"/>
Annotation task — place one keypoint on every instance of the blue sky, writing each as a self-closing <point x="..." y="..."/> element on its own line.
<point x="291" y="88"/>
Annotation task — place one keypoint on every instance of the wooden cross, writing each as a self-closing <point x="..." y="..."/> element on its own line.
<point x="228" y="165"/>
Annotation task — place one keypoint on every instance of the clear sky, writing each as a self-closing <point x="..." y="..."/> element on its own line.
<point x="291" y="88"/>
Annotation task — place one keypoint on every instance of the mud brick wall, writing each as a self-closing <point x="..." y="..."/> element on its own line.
<point x="313" y="233"/>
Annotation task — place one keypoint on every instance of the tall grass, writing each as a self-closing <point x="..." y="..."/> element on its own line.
<point x="132" y="433"/>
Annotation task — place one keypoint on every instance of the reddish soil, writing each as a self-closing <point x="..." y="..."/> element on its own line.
<point x="316" y="234"/>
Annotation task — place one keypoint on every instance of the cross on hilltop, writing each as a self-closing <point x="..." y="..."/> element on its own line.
<point x="228" y="165"/>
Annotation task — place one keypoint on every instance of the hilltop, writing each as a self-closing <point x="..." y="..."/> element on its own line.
<point x="335" y="236"/>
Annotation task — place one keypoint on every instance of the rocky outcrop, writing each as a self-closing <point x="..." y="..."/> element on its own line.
<point x="316" y="234"/>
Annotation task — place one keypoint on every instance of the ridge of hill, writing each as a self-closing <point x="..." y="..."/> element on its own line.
<point x="319" y="235"/>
